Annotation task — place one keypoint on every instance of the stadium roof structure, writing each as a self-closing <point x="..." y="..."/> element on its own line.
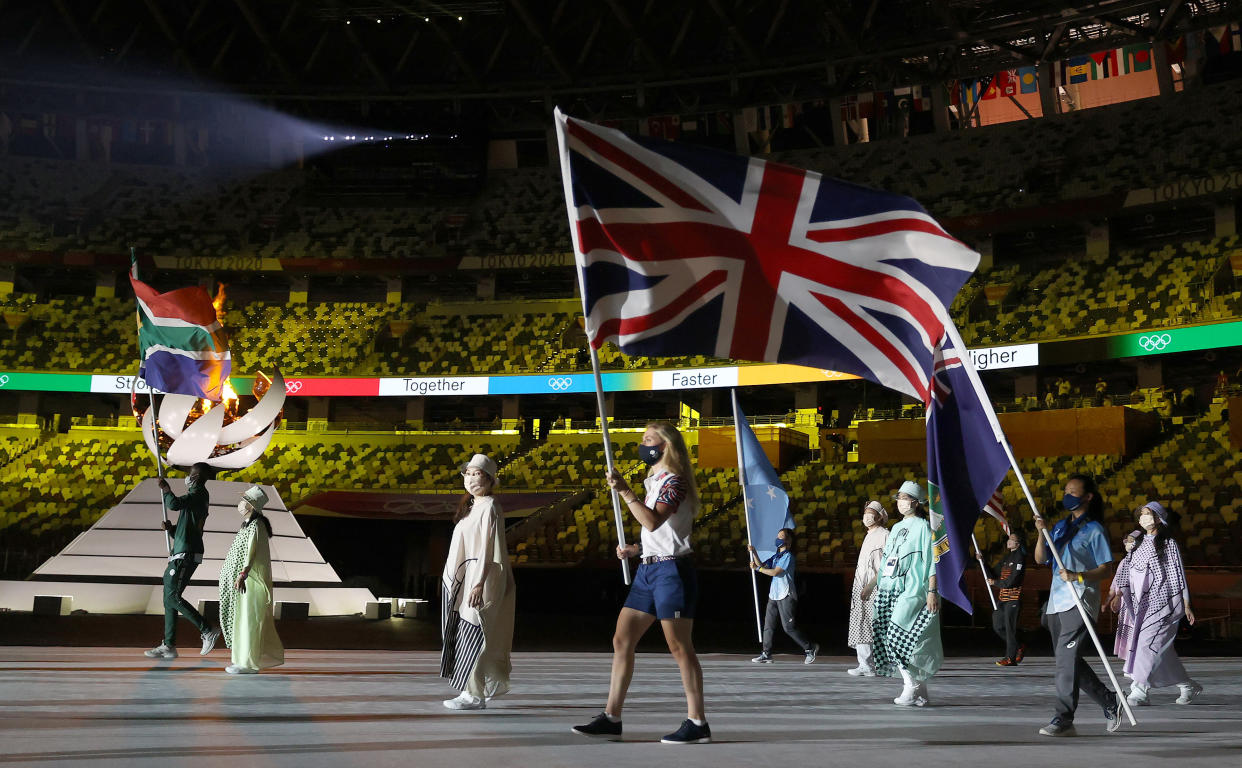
<point x="600" y="58"/>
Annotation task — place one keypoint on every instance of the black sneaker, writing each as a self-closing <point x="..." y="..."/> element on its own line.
<point x="1059" y="727"/>
<point x="1112" y="715"/>
<point x="689" y="733"/>
<point x="600" y="728"/>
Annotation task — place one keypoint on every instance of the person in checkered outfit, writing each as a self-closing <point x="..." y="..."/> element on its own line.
<point x="906" y="622"/>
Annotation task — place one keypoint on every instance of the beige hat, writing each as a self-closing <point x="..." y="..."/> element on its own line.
<point x="877" y="508"/>
<point x="256" y="497"/>
<point x="479" y="461"/>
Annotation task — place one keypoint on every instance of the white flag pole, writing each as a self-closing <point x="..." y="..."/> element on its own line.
<point x="983" y="569"/>
<point x="741" y="473"/>
<point x="1087" y="620"/>
<point x="603" y="425"/>
<point x="580" y="259"/>
<point x="155" y="432"/>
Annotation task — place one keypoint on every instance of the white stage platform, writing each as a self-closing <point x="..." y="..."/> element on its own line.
<point x="127" y="544"/>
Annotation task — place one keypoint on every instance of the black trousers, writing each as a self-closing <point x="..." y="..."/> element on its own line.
<point x="783" y="611"/>
<point x="176" y="578"/>
<point x="1005" y="623"/>
<point x="1069" y="642"/>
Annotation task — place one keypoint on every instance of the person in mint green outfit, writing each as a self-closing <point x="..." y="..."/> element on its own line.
<point x="246" y="600"/>
<point x="187" y="553"/>
<point x="906" y="623"/>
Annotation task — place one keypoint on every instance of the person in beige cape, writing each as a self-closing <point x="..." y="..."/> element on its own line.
<point x="874" y="518"/>
<point x="479" y="594"/>
<point x="246" y="592"/>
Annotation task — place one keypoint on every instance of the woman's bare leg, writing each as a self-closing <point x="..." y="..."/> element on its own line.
<point x="631" y="626"/>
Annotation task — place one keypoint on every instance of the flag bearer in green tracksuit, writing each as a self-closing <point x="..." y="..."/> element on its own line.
<point x="187" y="553"/>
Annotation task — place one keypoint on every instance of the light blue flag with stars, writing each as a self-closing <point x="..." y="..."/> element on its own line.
<point x="767" y="505"/>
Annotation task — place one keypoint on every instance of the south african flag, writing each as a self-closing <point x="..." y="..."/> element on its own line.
<point x="183" y="347"/>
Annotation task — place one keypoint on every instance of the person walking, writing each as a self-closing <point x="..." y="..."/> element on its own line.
<point x="906" y="627"/>
<point x="187" y="553"/>
<point x="1008" y="575"/>
<point x="247" y="598"/>
<point x="480" y="595"/>
<point x="1086" y="559"/>
<point x="870" y="554"/>
<point x="665" y="587"/>
<point x="1156" y="598"/>
<point x="782" y="605"/>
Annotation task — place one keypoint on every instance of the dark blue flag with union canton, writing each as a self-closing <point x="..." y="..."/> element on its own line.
<point x="683" y="250"/>
<point x="966" y="462"/>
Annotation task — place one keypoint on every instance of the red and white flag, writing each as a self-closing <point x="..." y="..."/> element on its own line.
<point x="996" y="508"/>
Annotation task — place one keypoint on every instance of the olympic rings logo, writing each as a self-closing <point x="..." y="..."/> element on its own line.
<point x="4" y="379"/>
<point x="293" y="387"/>
<point x="1155" y="342"/>
<point x="560" y="383"/>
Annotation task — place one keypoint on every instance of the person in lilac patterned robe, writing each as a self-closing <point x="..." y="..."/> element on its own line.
<point x="1153" y="591"/>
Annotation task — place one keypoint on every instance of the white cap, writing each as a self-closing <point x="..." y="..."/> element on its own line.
<point x="256" y="496"/>
<point x="481" y="462"/>
<point x="877" y="508"/>
<point x="912" y="488"/>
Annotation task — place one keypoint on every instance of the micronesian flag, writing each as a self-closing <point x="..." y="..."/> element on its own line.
<point x="966" y="463"/>
<point x="182" y="345"/>
<point x="767" y="505"/>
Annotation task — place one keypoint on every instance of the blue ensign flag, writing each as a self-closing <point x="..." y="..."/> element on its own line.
<point x="966" y="462"/>
<point x="767" y="505"/>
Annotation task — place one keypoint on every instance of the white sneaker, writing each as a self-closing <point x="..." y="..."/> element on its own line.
<point x="860" y="672"/>
<point x="763" y="658"/>
<point x="811" y="654"/>
<point x="233" y="669"/>
<point x="907" y="697"/>
<point x="1137" y="699"/>
<point x="1190" y="691"/>
<point x="161" y="651"/>
<point x="210" y="638"/>
<point x="465" y="701"/>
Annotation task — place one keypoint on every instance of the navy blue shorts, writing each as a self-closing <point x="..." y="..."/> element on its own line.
<point x="668" y="589"/>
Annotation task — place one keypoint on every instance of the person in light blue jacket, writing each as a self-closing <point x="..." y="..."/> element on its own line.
<point x="782" y="598"/>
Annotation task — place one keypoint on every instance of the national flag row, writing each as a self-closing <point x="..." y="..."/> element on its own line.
<point x="1114" y="62"/>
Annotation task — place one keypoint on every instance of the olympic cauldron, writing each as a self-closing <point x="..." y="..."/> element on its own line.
<point x="183" y="430"/>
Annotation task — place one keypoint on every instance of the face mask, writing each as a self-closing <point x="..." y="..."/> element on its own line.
<point x="191" y="485"/>
<point x="475" y="485"/>
<point x="1129" y="545"/>
<point x="904" y="506"/>
<point x="869" y="519"/>
<point x="650" y="454"/>
<point x="1071" y="502"/>
<point x="780" y="543"/>
<point x="243" y="508"/>
<point x="1146" y="521"/>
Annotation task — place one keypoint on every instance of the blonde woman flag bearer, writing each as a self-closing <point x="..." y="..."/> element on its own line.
<point x="479" y="594"/>
<point x="246" y="592"/>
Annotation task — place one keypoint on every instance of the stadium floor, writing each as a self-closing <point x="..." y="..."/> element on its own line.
<point x="111" y="706"/>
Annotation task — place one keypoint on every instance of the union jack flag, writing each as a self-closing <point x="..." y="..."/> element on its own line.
<point x="683" y="250"/>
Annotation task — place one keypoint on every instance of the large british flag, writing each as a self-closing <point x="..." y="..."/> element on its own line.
<point x="683" y="250"/>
